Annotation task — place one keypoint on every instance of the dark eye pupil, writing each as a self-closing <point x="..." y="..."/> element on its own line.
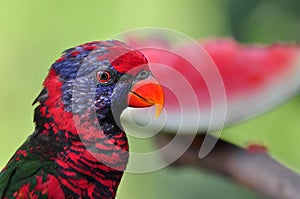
<point x="104" y="76"/>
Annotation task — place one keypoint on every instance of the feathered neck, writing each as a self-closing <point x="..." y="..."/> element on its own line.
<point x="90" y="155"/>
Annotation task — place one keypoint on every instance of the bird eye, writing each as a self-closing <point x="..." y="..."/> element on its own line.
<point x="103" y="76"/>
<point x="143" y="74"/>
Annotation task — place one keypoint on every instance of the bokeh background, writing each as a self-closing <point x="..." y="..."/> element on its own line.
<point x="33" y="33"/>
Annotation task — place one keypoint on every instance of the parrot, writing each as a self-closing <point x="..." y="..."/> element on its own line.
<point x="78" y="148"/>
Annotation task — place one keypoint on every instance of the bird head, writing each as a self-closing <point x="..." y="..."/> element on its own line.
<point x="103" y="77"/>
<point x="85" y="92"/>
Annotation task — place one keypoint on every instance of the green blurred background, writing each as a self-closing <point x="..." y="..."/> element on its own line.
<point x="33" y="33"/>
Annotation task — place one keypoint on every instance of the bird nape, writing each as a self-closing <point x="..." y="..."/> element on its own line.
<point x="78" y="148"/>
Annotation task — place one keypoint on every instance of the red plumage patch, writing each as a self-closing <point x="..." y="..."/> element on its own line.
<point x="132" y="62"/>
<point x="62" y="119"/>
<point x="75" y="53"/>
<point x="123" y="58"/>
<point x="50" y="187"/>
<point x="60" y="59"/>
<point x="54" y="189"/>
<point x="90" y="48"/>
<point x="22" y="152"/>
<point x="23" y="192"/>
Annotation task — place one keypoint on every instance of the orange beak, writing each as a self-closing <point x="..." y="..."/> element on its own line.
<point x="146" y="93"/>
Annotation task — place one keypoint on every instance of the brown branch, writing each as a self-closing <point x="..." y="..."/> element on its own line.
<point x="254" y="170"/>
